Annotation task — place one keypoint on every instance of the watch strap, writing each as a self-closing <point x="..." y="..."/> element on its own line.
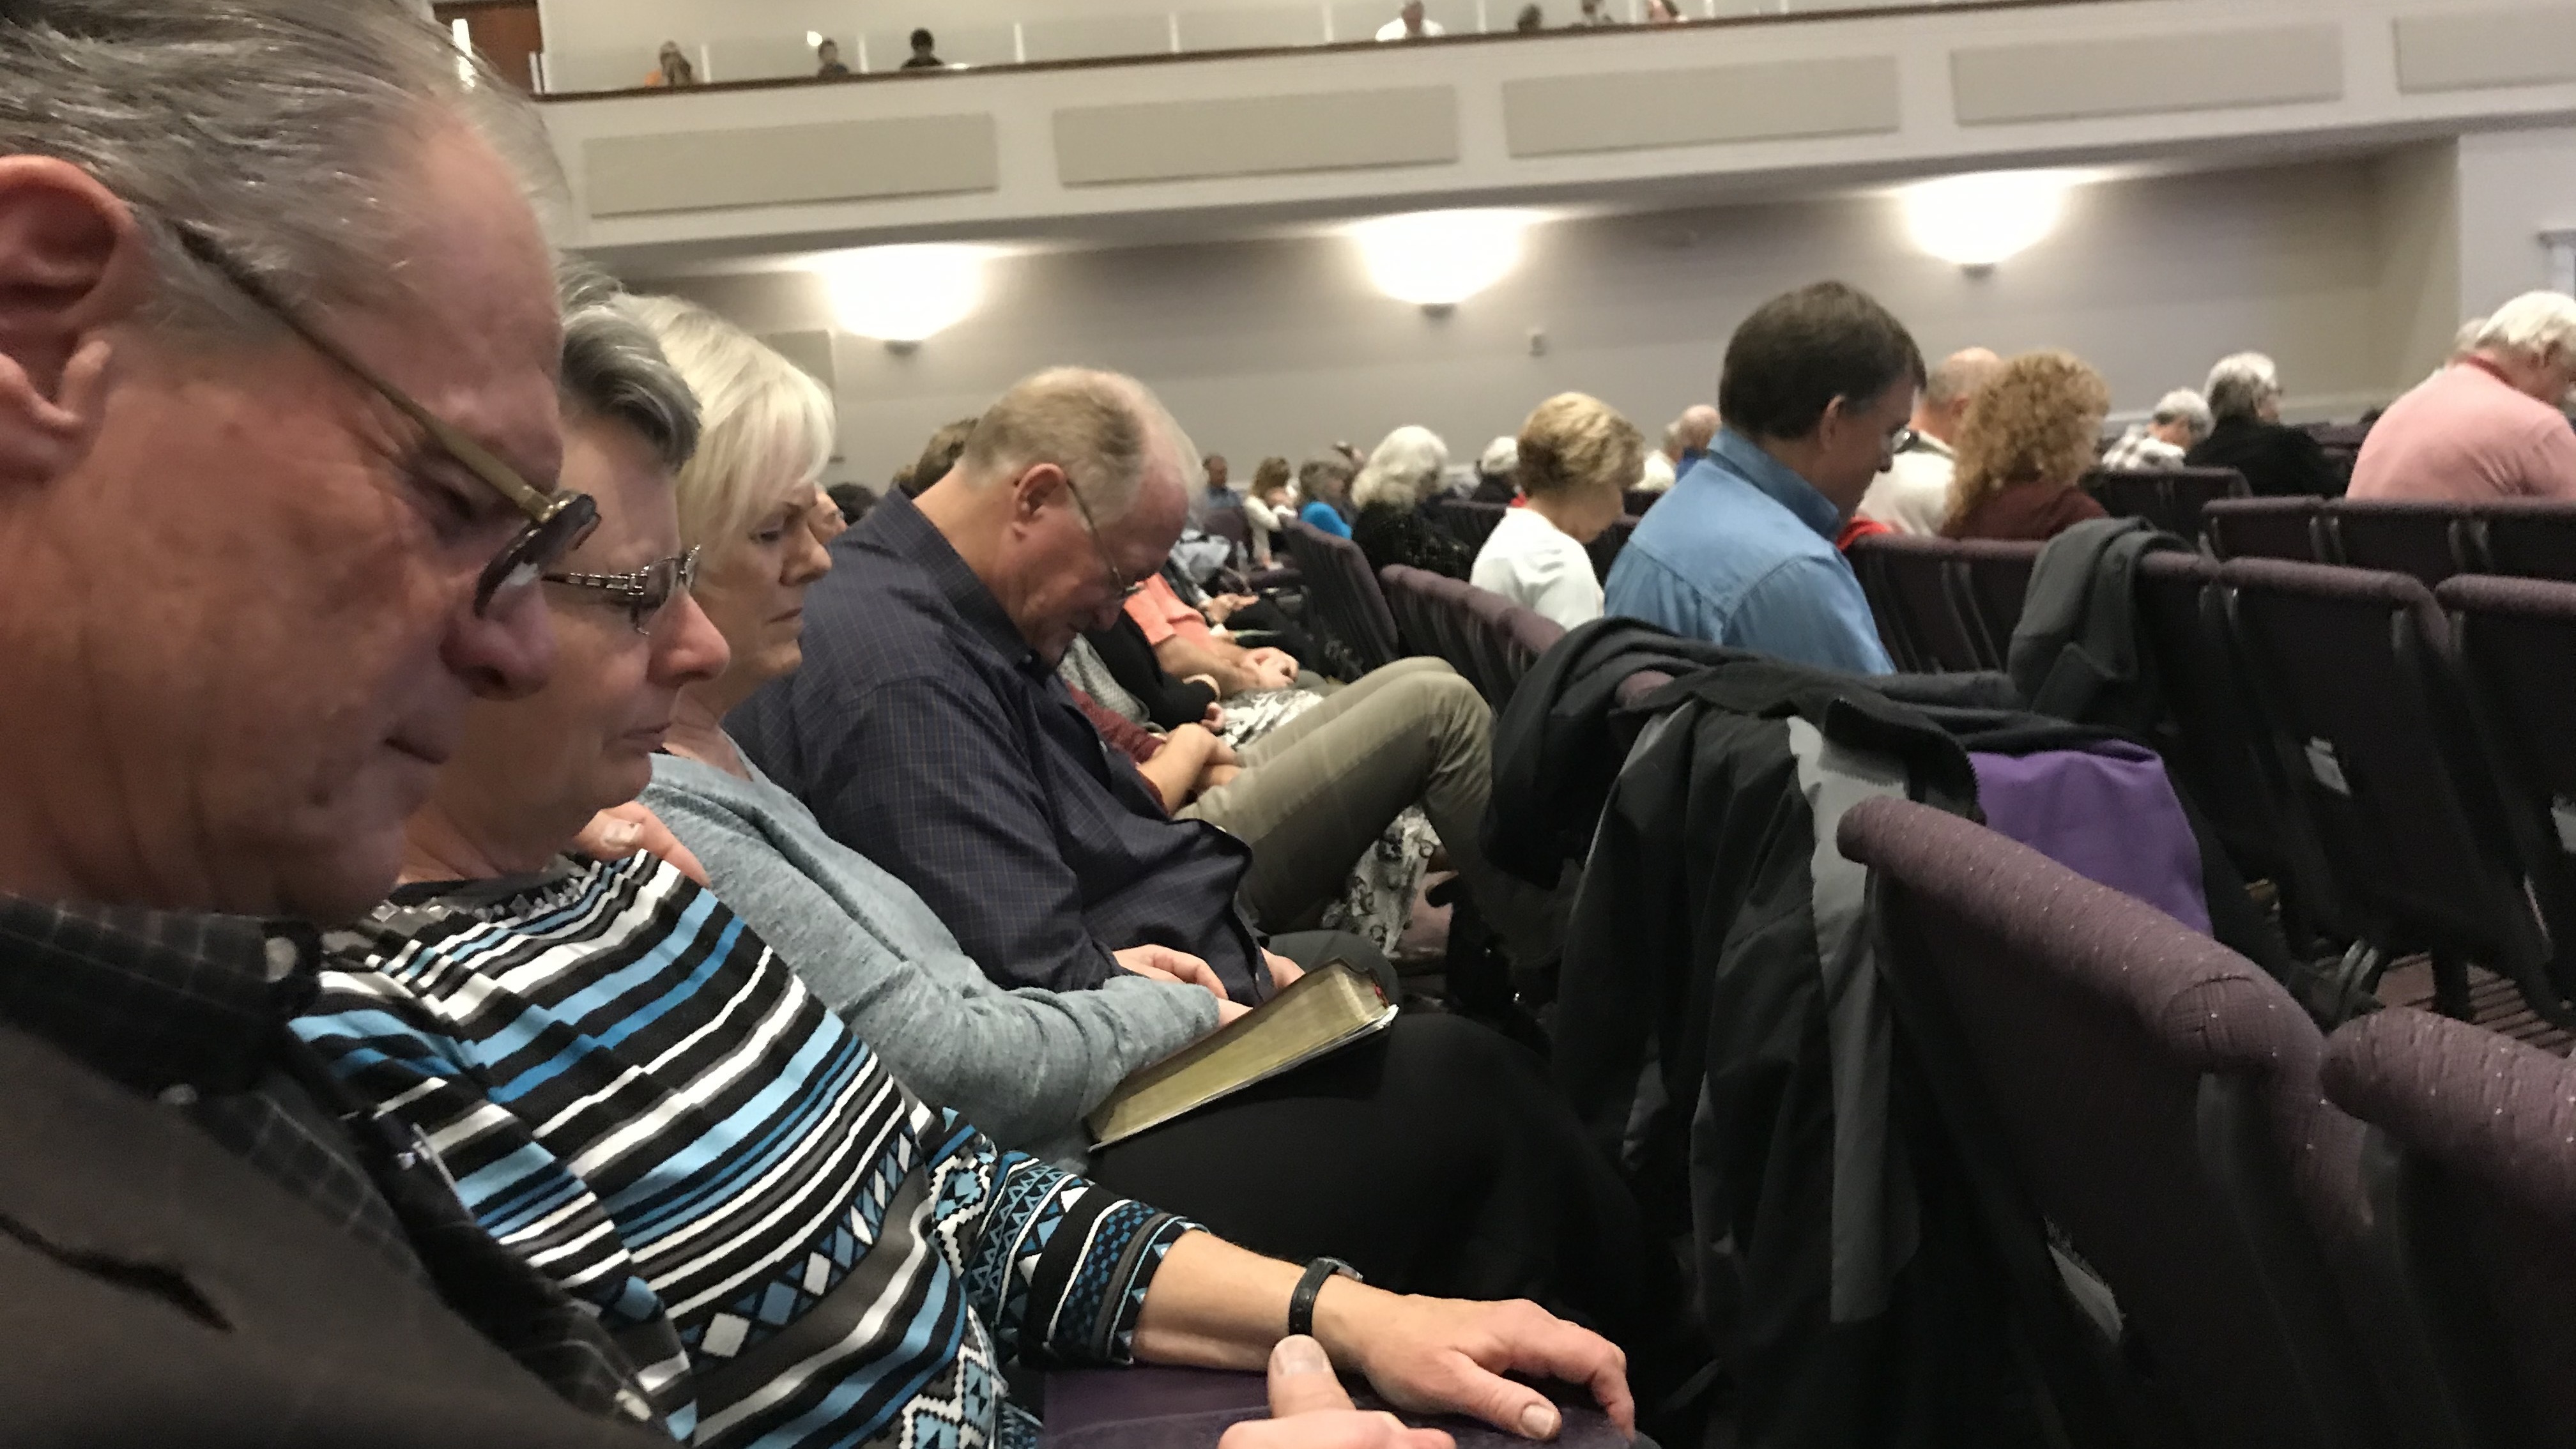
<point x="1301" y="1304"/>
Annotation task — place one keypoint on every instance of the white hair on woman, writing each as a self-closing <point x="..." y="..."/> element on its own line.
<point x="2240" y="384"/>
<point x="2184" y="406"/>
<point x="766" y="428"/>
<point x="2532" y="326"/>
<point x="1404" y="470"/>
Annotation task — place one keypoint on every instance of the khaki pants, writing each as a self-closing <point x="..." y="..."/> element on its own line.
<point x="1317" y="791"/>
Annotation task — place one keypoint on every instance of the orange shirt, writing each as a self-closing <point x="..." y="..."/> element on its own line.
<point x="1161" y="614"/>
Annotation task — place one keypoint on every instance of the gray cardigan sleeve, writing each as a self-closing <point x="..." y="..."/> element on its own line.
<point x="1024" y="1066"/>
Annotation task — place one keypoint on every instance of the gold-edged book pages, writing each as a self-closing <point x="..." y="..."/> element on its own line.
<point x="1320" y="1013"/>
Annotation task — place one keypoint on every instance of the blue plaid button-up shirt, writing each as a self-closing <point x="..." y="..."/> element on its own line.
<point x="925" y="734"/>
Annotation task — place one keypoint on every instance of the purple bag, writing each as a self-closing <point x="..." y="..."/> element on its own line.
<point x="2106" y="812"/>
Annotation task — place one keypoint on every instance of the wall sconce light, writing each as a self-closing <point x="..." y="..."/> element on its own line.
<point x="904" y="295"/>
<point x="1438" y="259"/>
<point x="1978" y="220"/>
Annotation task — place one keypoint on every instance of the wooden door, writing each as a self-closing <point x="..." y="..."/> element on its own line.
<point x="505" y="32"/>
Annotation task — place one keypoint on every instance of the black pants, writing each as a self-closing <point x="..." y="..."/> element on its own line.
<point x="1436" y="1158"/>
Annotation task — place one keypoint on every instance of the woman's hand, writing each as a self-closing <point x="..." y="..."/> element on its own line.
<point x="1283" y="972"/>
<point x="1308" y="1410"/>
<point x="1271" y="668"/>
<point x="622" y="830"/>
<point x="1162" y="963"/>
<point x="1439" y="1355"/>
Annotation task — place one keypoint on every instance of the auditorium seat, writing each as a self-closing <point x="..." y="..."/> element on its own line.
<point x="2263" y="527"/>
<point x="1916" y="577"/>
<point x="2216" y="744"/>
<point x="2155" y="1095"/>
<point x="1411" y="602"/>
<point x="2473" y="1189"/>
<point x="1605" y="549"/>
<point x="2530" y="538"/>
<point x="2406" y="536"/>
<point x="2352" y="673"/>
<point x="1993" y="576"/>
<point x="1343" y="596"/>
<point x="1886" y="610"/>
<point x="2515" y="643"/>
<point x="1471" y="522"/>
<point x="2170" y="498"/>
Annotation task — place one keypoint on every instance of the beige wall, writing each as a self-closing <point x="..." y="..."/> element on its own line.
<point x="1282" y="346"/>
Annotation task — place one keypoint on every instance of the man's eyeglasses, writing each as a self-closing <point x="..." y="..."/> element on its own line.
<point x="1117" y="575"/>
<point x="557" y="522"/>
<point x="1901" y="441"/>
<point x="644" y="592"/>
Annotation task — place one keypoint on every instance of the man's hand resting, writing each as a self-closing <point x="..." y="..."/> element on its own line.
<point x="1162" y="963"/>
<point x="1440" y="1355"/>
<point x="1308" y="1410"/>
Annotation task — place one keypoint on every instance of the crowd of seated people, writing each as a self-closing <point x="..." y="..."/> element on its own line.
<point x="426" y="607"/>
<point x="524" y="917"/>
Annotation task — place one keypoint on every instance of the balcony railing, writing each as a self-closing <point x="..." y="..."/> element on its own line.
<point x="787" y="57"/>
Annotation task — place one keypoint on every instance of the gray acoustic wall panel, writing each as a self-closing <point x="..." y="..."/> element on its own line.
<point x="2174" y="71"/>
<point x="1565" y="115"/>
<point x="2458" y="52"/>
<point x="791" y="165"/>
<point x="1256" y="136"/>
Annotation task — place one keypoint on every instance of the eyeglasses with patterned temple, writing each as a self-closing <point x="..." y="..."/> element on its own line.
<point x="1117" y="575"/>
<point x="643" y="592"/>
<point x="557" y="522"/>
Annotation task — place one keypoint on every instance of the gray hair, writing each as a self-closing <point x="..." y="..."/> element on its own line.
<point x="273" y="126"/>
<point x="2532" y="325"/>
<point x="2240" y="384"/>
<point x="2182" y="405"/>
<point x="1101" y="428"/>
<point x="1404" y="469"/>
<point x="613" y="370"/>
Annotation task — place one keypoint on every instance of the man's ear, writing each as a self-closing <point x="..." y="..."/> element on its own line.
<point x="1035" y="488"/>
<point x="71" y="264"/>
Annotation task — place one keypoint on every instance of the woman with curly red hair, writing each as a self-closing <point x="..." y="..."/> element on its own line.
<point x="2023" y="448"/>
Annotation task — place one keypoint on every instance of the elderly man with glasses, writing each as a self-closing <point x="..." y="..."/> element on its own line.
<point x="278" y="437"/>
<point x="927" y="730"/>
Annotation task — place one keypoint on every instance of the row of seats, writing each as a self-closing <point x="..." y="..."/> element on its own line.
<point x="2171" y="499"/>
<point x="2361" y="1240"/>
<point x="2394" y="761"/>
<point x="2528" y="538"/>
<point x="1488" y="639"/>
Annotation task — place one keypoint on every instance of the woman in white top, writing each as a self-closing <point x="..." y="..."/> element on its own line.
<point x="1577" y="456"/>
<point x="1268" y="507"/>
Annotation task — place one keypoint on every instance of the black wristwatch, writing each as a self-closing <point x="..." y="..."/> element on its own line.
<point x="1301" y="1304"/>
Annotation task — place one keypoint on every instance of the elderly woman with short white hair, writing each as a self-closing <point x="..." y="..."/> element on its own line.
<point x="2493" y="424"/>
<point x="1388" y="496"/>
<point x="2247" y="434"/>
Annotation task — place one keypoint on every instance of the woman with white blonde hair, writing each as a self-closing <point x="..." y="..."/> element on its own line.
<point x="1387" y="496"/>
<point x="1575" y="458"/>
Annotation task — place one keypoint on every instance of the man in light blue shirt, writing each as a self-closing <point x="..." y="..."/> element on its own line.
<point x="1817" y="389"/>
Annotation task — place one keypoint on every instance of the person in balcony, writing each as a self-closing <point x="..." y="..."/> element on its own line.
<point x="672" y="68"/>
<point x="1597" y="12"/>
<point x="827" y="61"/>
<point x="2022" y="450"/>
<point x="925" y="53"/>
<point x="1661" y="12"/>
<point x="1532" y="20"/>
<point x="1410" y="25"/>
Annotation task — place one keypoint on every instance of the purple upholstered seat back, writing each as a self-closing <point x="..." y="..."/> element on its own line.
<point x="1471" y="521"/>
<point x="1345" y="593"/>
<point x="2482" y="1201"/>
<point x="2351" y="671"/>
<point x="2405" y="536"/>
<point x="1996" y="578"/>
<point x="1410" y="600"/>
<point x="1230" y="524"/>
<point x="2262" y="527"/>
<point x="1916" y="573"/>
<point x="2157" y="1095"/>
<point x="2532" y="538"/>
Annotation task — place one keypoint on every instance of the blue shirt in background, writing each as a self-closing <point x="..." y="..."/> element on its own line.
<point x="1741" y="553"/>
<point x="1324" y="516"/>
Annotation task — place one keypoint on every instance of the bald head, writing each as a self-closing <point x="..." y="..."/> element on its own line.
<point x="1951" y="385"/>
<point x="1072" y="487"/>
<point x="1692" y="432"/>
